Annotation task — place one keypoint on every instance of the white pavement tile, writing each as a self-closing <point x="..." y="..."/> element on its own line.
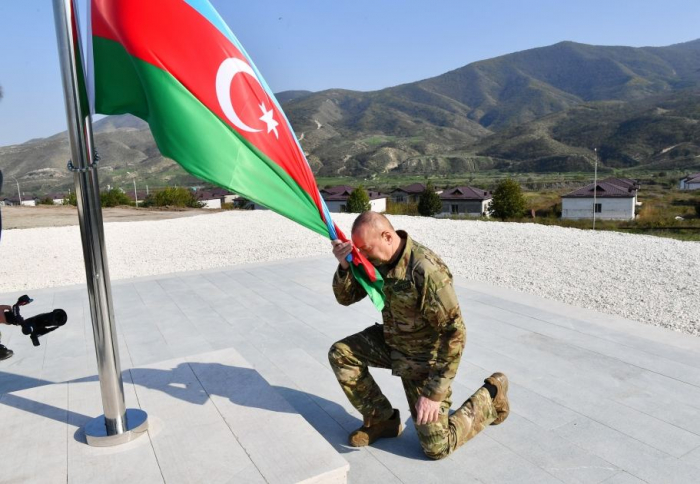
<point x="590" y="393"/>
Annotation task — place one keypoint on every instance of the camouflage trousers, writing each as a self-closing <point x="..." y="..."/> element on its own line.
<point x="350" y="359"/>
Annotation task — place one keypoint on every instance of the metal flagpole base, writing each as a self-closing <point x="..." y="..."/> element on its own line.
<point x="96" y="429"/>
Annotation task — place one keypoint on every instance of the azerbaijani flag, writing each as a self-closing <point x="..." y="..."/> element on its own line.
<point x="176" y="65"/>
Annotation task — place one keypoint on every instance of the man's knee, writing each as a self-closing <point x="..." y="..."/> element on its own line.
<point x="436" y="455"/>
<point x="337" y="354"/>
<point x="433" y="441"/>
<point x="435" y="450"/>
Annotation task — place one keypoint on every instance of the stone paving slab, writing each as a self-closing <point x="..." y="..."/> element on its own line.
<point x="594" y="397"/>
<point x="213" y="419"/>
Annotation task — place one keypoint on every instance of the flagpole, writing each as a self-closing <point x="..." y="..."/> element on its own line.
<point x="118" y="424"/>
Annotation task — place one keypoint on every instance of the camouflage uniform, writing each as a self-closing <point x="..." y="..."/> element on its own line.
<point x="421" y="341"/>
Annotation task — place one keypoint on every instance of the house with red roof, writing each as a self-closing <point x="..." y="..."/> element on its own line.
<point x="336" y="199"/>
<point x="465" y="201"/>
<point x="409" y="193"/>
<point x="609" y="199"/>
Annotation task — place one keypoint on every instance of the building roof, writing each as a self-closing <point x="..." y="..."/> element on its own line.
<point x="208" y="195"/>
<point x="414" y="188"/>
<point x="342" y="193"/>
<point x="465" y="193"/>
<point x="608" y="188"/>
<point x="337" y="189"/>
<point x="623" y="182"/>
<point x="220" y="192"/>
<point x="694" y="178"/>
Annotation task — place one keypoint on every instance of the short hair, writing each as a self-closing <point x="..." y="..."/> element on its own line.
<point x="377" y="220"/>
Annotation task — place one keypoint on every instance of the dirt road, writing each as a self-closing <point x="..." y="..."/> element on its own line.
<point x="59" y="216"/>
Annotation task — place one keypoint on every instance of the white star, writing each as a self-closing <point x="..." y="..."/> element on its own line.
<point x="269" y="120"/>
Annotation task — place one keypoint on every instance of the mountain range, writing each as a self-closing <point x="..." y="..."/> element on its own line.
<point x="537" y="110"/>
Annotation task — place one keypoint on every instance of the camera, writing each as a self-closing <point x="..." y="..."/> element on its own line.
<point x="38" y="325"/>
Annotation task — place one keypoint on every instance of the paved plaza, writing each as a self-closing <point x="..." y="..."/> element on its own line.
<point x="231" y="366"/>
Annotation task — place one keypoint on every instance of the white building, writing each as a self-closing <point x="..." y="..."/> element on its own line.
<point x="691" y="182"/>
<point x="336" y="199"/>
<point x="465" y="201"/>
<point x="215" y="198"/>
<point x="615" y="199"/>
<point x="57" y="198"/>
<point x="208" y="199"/>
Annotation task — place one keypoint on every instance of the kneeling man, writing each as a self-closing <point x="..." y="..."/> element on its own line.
<point x="421" y="340"/>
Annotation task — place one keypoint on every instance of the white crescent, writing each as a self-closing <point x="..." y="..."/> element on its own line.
<point x="224" y="76"/>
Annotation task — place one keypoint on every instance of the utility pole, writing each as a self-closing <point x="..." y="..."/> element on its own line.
<point x="595" y="184"/>
<point x="19" y="194"/>
<point x="136" y="198"/>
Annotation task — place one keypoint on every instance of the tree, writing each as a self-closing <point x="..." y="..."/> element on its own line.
<point x="358" y="201"/>
<point x="429" y="202"/>
<point x="45" y="201"/>
<point x="508" y="200"/>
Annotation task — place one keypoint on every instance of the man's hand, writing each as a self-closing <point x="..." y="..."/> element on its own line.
<point x="341" y="251"/>
<point x="427" y="411"/>
<point x="4" y="308"/>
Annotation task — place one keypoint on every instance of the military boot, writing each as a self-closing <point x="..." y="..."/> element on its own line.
<point x="5" y="353"/>
<point x="367" y="434"/>
<point x="500" y="401"/>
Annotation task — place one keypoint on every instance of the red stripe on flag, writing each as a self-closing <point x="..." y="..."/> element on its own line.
<point x="173" y="36"/>
<point x="357" y="258"/>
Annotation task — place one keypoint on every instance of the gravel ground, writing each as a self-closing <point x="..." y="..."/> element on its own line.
<point x="647" y="279"/>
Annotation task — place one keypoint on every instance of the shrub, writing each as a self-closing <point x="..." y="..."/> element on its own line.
<point x="429" y="202"/>
<point x="398" y="208"/>
<point x="508" y="200"/>
<point x="114" y="198"/>
<point x="45" y="201"/>
<point x="243" y="204"/>
<point x="358" y="201"/>
<point x="697" y="208"/>
<point x="173" y="197"/>
<point x="72" y="199"/>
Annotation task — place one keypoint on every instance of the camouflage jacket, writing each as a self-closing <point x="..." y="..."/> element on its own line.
<point x="423" y="324"/>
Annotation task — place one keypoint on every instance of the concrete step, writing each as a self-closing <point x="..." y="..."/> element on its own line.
<point x="212" y="418"/>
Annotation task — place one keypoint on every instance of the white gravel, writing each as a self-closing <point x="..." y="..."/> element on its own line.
<point x="647" y="279"/>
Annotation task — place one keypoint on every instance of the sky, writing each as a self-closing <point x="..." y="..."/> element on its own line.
<point x="350" y="44"/>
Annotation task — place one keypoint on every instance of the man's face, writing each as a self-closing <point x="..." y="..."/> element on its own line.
<point x="373" y="243"/>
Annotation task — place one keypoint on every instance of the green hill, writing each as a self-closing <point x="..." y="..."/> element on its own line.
<point x="424" y="126"/>
<point x="661" y="132"/>
<point x="537" y="110"/>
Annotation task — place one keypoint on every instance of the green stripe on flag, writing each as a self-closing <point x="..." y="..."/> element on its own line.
<point x="373" y="289"/>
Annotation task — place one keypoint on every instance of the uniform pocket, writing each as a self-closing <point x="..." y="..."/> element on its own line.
<point x="403" y="305"/>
